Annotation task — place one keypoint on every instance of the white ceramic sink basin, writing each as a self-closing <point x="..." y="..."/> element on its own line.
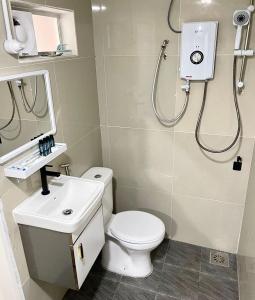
<point x="76" y="196"/>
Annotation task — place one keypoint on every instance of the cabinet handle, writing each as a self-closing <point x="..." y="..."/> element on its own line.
<point x="81" y="253"/>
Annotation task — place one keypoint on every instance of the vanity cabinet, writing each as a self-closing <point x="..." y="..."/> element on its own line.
<point x="57" y="258"/>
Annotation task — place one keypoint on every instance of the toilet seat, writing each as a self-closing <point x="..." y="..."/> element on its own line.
<point x="136" y="227"/>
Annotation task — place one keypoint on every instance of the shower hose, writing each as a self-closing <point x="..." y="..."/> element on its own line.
<point x="171" y="122"/>
<point x="164" y="121"/>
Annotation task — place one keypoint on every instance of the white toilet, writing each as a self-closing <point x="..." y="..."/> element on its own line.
<point x="130" y="235"/>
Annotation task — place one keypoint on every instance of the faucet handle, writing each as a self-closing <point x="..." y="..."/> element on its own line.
<point x="66" y="167"/>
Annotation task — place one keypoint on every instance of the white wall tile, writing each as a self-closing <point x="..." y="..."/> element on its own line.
<point x="78" y="97"/>
<point x="206" y="223"/>
<point x="211" y="176"/>
<point x="137" y="27"/>
<point x="129" y="86"/>
<point x="105" y="139"/>
<point x="142" y="158"/>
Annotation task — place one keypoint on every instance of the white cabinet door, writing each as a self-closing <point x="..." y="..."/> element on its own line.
<point x="88" y="246"/>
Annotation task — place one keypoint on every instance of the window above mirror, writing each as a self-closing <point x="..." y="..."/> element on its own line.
<point x="36" y="31"/>
<point x="47" y="33"/>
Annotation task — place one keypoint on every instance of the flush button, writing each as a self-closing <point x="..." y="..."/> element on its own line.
<point x="98" y="176"/>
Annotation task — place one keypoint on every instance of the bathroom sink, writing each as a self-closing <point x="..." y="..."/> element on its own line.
<point x="69" y="204"/>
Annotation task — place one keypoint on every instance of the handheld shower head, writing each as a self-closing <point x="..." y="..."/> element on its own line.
<point x="241" y="18"/>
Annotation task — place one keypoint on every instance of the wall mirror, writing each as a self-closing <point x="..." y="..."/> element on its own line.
<point x="26" y="114"/>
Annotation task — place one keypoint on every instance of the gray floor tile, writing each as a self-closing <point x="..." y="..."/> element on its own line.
<point x="213" y="288"/>
<point x="73" y="295"/>
<point x="150" y="283"/>
<point x="184" y="255"/>
<point x="204" y="297"/>
<point x="159" y="253"/>
<point x="128" y="292"/>
<point x="176" y="276"/>
<point x="164" y="297"/>
<point x="177" y="282"/>
<point x="97" y="288"/>
<point x="98" y="270"/>
<point x="223" y="272"/>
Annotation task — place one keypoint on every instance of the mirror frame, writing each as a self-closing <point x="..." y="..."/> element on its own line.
<point x="12" y="154"/>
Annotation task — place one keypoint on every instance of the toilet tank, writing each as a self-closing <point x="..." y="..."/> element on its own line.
<point x="104" y="175"/>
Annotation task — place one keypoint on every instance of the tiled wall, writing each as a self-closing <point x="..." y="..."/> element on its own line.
<point x="76" y="107"/>
<point x="199" y="196"/>
<point x="246" y="256"/>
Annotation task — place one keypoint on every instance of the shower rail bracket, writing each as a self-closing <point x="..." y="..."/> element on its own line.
<point x="242" y="53"/>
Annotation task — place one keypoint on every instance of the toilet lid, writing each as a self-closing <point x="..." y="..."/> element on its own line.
<point x="137" y="227"/>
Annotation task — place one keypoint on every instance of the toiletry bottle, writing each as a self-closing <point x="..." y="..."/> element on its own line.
<point x="45" y="147"/>
<point x="41" y="147"/>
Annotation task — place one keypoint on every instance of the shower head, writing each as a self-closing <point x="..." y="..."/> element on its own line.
<point x="241" y="18"/>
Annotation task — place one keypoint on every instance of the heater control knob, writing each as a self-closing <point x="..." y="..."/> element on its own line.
<point x="196" y="57"/>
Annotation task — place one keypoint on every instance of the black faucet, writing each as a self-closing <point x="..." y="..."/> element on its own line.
<point x="44" y="174"/>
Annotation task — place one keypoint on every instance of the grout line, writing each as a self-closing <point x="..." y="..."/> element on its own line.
<point x="174" y="131"/>
<point x="167" y="193"/>
<point x="178" y="131"/>
<point x="108" y="146"/>
<point x="146" y="289"/>
<point x="141" y="128"/>
<point x="114" y="294"/>
<point x="156" y="55"/>
<point x="242" y="205"/>
<point x="168" y="247"/>
<point x="84" y="137"/>
<point x="184" y="195"/>
<point x="238" y="276"/>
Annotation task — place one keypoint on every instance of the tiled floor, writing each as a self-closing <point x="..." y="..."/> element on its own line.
<point x="181" y="271"/>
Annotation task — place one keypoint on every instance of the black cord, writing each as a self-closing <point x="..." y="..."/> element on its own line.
<point x="239" y="121"/>
<point x="169" y="18"/>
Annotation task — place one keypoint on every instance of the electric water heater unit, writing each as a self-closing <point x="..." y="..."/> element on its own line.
<point x="198" y="50"/>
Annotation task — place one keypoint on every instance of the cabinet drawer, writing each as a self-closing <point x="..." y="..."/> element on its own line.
<point x="88" y="246"/>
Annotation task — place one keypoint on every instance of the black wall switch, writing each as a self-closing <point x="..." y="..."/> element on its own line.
<point x="237" y="166"/>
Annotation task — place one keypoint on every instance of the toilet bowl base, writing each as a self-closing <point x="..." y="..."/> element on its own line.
<point x="124" y="261"/>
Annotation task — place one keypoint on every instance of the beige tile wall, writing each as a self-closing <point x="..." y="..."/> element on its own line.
<point x="162" y="170"/>
<point x="246" y="257"/>
<point x="76" y="107"/>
